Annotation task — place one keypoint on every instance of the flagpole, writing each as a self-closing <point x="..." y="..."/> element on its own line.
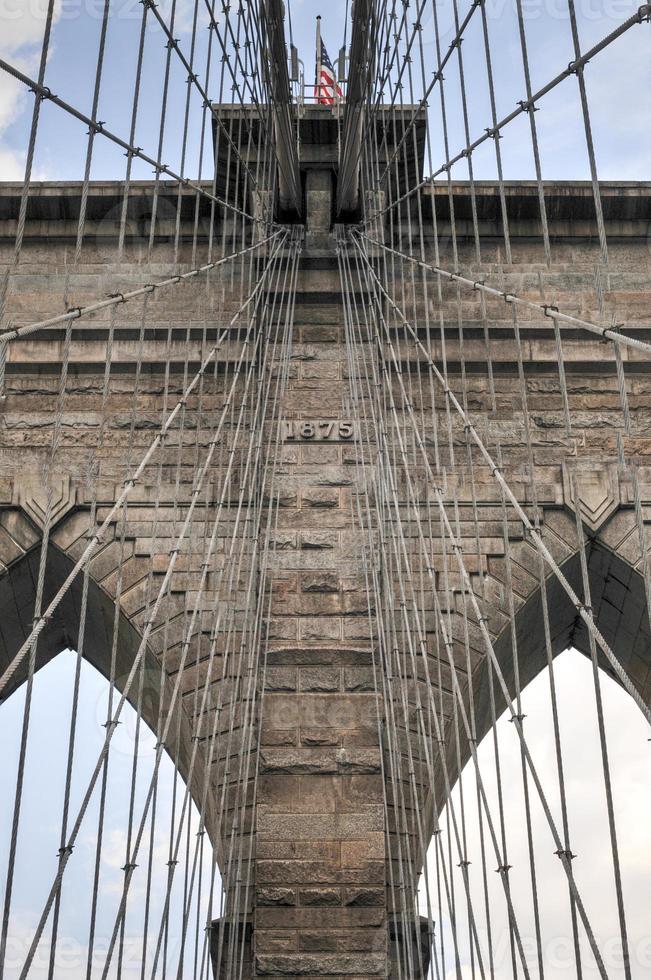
<point x="317" y="80"/>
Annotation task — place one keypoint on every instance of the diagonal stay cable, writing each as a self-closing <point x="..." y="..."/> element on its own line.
<point x="643" y="14"/>
<point x="387" y="484"/>
<point x="236" y="45"/>
<point x="77" y="312"/>
<point x="407" y="127"/>
<point x="131" y="482"/>
<point x="44" y="93"/>
<point x="436" y="77"/>
<point x="532" y="532"/>
<point x="219" y="607"/>
<point x="213" y="739"/>
<point x="111" y="727"/>
<point x="605" y="333"/>
<point x="481" y="619"/>
<point x="193" y="78"/>
<point x="29" y="156"/>
<point x="189" y="632"/>
<point x="396" y="523"/>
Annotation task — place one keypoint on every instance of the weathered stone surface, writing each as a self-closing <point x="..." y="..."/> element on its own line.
<point x="321" y="965"/>
<point x="320" y="736"/>
<point x="320" y="582"/>
<point x="280" y="679"/>
<point x="357" y="872"/>
<point x="315" y="918"/>
<point x="320" y="679"/>
<point x="276" y="896"/>
<point x="336" y="761"/>
<point x="359" y="679"/>
<point x="365" y="896"/>
<point x="320" y="896"/>
<point x="333" y="826"/>
<point x="321" y="854"/>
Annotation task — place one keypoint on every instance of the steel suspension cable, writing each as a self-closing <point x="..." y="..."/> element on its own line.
<point x="133" y="479"/>
<point x="481" y="620"/>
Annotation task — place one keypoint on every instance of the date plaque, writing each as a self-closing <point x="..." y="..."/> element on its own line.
<point x="319" y="430"/>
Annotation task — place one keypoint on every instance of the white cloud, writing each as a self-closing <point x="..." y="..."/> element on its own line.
<point x="23" y="24"/>
<point x="12" y="164"/>
<point x="183" y="15"/>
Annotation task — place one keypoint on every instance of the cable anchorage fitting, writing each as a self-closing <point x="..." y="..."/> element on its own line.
<point x="614" y="328"/>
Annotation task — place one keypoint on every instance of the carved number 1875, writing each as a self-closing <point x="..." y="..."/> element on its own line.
<point x="319" y="430"/>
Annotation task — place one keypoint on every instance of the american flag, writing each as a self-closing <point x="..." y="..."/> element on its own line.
<point x="326" y="88"/>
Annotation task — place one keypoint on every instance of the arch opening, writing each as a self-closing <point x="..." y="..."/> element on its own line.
<point x="591" y="772"/>
<point x="592" y="865"/>
<point x="175" y="884"/>
<point x="17" y="604"/>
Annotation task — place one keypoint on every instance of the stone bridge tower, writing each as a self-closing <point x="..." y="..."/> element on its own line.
<point x="323" y="837"/>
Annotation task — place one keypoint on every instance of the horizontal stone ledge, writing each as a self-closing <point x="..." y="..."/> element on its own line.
<point x="312" y="976"/>
<point x="316" y="656"/>
<point x="321" y="965"/>
<point x="319" y="918"/>
<point x="274" y="897"/>
<point x="311" y="710"/>
<point x="89" y="361"/>
<point x="289" y="873"/>
<point x="336" y="941"/>
<point x="319" y="761"/>
<point x="273" y="825"/>
<point x="320" y="897"/>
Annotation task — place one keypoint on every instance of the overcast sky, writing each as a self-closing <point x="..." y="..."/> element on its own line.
<point x="628" y="748"/>
<point x="41" y="821"/>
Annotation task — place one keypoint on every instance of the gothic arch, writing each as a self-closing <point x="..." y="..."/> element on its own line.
<point x="17" y="599"/>
<point x="620" y="612"/>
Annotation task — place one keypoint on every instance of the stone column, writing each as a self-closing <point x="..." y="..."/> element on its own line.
<point x="320" y="851"/>
<point x="318" y="201"/>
